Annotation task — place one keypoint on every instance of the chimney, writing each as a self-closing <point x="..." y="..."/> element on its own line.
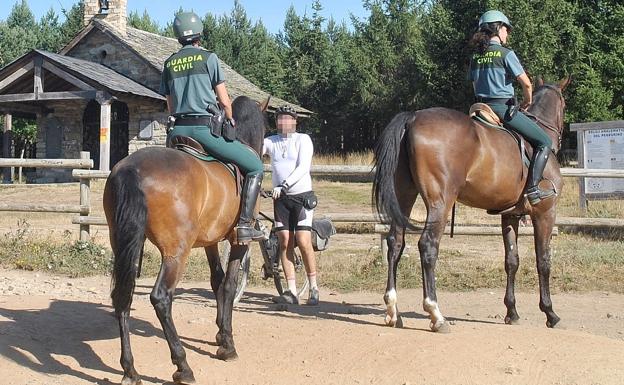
<point x="114" y="12"/>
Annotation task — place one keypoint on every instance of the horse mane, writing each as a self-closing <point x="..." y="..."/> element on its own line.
<point x="250" y="122"/>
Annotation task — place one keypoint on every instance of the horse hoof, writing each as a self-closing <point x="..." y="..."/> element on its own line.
<point x="512" y="320"/>
<point x="226" y="354"/>
<point x="551" y="323"/>
<point x="218" y="339"/>
<point x="184" y="377"/>
<point x="131" y="381"/>
<point x="440" y="327"/>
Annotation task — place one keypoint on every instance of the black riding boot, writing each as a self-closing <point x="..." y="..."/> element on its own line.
<point x="244" y="229"/>
<point x="533" y="193"/>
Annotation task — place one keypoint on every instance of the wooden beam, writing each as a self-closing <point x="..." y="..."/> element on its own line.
<point x="46" y="163"/>
<point x="105" y="134"/>
<point x="6" y="146"/>
<point x="38" y="81"/>
<point x="65" y="95"/>
<point x="67" y="76"/>
<point x="44" y="208"/>
<point x="16" y="75"/>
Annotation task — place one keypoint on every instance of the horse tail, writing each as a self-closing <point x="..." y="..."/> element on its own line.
<point x="129" y="212"/>
<point x="387" y="152"/>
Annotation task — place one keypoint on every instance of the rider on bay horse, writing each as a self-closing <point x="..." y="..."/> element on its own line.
<point x="492" y="71"/>
<point x="194" y="85"/>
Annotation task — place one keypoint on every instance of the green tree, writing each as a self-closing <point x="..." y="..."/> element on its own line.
<point x="144" y="23"/>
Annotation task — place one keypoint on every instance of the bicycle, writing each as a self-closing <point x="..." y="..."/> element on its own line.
<point x="271" y="267"/>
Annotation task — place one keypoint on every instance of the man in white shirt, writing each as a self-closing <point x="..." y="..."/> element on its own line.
<point x="291" y="158"/>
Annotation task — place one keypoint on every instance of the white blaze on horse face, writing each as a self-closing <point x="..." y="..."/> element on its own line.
<point x="391" y="312"/>
<point x="432" y="308"/>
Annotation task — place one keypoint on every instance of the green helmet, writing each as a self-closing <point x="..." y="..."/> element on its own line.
<point x="494" y="17"/>
<point x="187" y="27"/>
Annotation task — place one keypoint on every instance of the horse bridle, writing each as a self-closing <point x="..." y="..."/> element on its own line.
<point x="557" y="128"/>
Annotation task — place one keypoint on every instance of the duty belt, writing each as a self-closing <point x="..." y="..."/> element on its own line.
<point x="194" y="121"/>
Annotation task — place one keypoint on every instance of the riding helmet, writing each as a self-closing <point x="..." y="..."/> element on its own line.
<point x="494" y="16"/>
<point x="187" y="26"/>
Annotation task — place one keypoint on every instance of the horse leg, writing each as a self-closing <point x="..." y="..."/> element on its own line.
<point x="217" y="275"/>
<point x="509" y="224"/>
<point x="161" y="297"/>
<point x="543" y="224"/>
<point x="428" y="246"/>
<point x="396" y="244"/>
<point x="131" y="376"/>
<point x="225" y="304"/>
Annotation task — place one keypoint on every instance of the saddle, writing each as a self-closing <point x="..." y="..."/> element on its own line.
<point x="194" y="148"/>
<point x="485" y="114"/>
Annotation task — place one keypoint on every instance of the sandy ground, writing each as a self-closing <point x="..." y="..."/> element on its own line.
<point x="56" y="330"/>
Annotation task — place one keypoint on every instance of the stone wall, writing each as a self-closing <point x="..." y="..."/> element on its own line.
<point x="100" y="48"/>
<point x="69" y="117"/>
<point x="142" y="115"/>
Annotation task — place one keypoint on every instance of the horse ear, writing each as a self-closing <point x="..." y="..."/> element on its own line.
<point x="540" y="81"/>
<point x="563" y="83"/>
<point x="264" y="105"/>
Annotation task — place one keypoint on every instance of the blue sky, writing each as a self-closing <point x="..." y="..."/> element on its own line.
<point x="271" y="12"/>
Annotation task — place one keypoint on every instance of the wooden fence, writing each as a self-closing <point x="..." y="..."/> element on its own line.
<point x="83" y="208"/>
<point x="84" y="220"/>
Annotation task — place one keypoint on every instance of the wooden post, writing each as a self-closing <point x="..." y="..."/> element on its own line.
<point x="105" y="134"/>
<point x="85" y="200"/>
<point x="6" y="147"/>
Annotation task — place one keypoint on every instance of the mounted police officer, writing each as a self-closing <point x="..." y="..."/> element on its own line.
<point x="194" y="85"/>
<point x="493" y="68"/>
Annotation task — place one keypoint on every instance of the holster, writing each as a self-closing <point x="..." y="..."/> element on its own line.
<point x="512" y="108"/>
<point x="216" y="124"/>
<point x="229" y="131"/>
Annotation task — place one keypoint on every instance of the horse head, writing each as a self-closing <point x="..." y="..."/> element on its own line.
<point x="549" y="107"/>
<point x="250" y="122"/>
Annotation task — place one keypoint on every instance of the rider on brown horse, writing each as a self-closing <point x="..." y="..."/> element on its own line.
<point x="194" y="85"/>
<point x="492" y="71"/>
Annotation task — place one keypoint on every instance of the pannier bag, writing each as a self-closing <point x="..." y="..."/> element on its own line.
<point x="322" y="230"/>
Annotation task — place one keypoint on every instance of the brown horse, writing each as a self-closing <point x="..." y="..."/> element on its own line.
<point x="445" y="156"/>
<point x="178" y="202"/>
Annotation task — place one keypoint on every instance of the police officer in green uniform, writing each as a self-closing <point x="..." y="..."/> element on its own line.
<point x="194" y="85"/>
<point x="493" y="68"/>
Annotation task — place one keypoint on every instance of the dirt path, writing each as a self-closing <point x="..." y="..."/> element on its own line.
<point x="56" y="330"/>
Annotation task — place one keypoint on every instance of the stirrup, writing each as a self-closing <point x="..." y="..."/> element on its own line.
<point x="535" y="195"/>
<point x="245" y="234"/>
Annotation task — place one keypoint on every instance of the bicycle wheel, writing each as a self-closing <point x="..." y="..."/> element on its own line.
<point x="243" y="269"/>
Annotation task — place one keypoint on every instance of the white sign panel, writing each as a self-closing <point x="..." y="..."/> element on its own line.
<point x="604" y="149"/>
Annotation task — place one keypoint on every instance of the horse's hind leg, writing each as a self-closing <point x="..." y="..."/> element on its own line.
<point x="510" y="239"/>
<point x="217" y="275"/>
<point x="406" y="195"/>
<point x="543" y="225"/>
<point x="429" y="246"/>
<point x="225" y="304"/>
<point x="131" y="376"/>
<point x="396" y="244"/>
<point x="171" y="271"/>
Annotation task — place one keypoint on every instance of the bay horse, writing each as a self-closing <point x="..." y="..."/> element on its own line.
<point x="445" y="156"/>
<point x="178" y="202"/>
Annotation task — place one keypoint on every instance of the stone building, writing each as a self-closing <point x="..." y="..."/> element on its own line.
<point x="100" y="93"/>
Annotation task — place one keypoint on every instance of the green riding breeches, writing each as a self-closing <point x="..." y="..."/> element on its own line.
<point x="230" y="152"/>
<point x="524" y="126"/>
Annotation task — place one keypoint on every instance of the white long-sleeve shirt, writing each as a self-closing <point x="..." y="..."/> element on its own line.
<point x="291" y="159"/>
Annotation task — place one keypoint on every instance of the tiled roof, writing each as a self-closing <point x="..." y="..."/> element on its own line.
<point x="112" y="80"/>
<point x="155" y="49"/>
